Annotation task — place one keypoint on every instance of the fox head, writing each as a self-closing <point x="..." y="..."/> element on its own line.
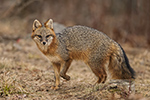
<point x="43" y="34"/>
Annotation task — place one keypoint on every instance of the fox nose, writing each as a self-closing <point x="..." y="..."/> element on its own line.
<point x="44" y="43"/>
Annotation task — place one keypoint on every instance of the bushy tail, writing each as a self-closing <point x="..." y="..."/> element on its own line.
<point x="126" y="64"/>
<point x="119" y="66"/>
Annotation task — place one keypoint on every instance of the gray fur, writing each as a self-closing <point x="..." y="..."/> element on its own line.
<point x="79" y="38"/>
<point x="99" y="45"/>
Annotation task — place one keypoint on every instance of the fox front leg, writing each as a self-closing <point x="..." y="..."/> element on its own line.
<point x="56" y="67"/>
<point x="64" y="69"/>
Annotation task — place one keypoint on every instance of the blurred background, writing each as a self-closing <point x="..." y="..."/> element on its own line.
<point x="126" y="21"/>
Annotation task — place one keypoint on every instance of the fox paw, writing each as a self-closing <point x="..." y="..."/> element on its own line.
<point x="66" y="77"/>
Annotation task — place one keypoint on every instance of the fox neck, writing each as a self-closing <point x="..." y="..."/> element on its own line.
<point x="50" y="49"/>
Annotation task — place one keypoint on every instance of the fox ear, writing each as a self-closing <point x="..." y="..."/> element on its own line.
<point x="36" y="24"/>
<point x="49" y="24"/>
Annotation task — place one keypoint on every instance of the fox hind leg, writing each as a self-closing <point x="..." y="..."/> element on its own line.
<point x="102" y="77"/>
<point x="100" y="72"/>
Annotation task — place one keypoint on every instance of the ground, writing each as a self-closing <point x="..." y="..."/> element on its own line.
<point x="26" y="74"/>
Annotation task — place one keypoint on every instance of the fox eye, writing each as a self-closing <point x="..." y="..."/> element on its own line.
<point x="39" y="36"/>
<point x="48" y="36"/>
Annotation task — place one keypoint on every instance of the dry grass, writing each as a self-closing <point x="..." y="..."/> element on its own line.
<point x="26" y="74"/>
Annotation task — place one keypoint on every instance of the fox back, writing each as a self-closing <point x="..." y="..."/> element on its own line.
<point x="104" y="56"/>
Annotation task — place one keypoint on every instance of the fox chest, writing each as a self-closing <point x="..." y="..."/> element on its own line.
<point x="55" y="59"/>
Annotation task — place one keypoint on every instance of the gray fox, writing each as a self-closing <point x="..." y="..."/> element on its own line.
<point x="104" y="56"/>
